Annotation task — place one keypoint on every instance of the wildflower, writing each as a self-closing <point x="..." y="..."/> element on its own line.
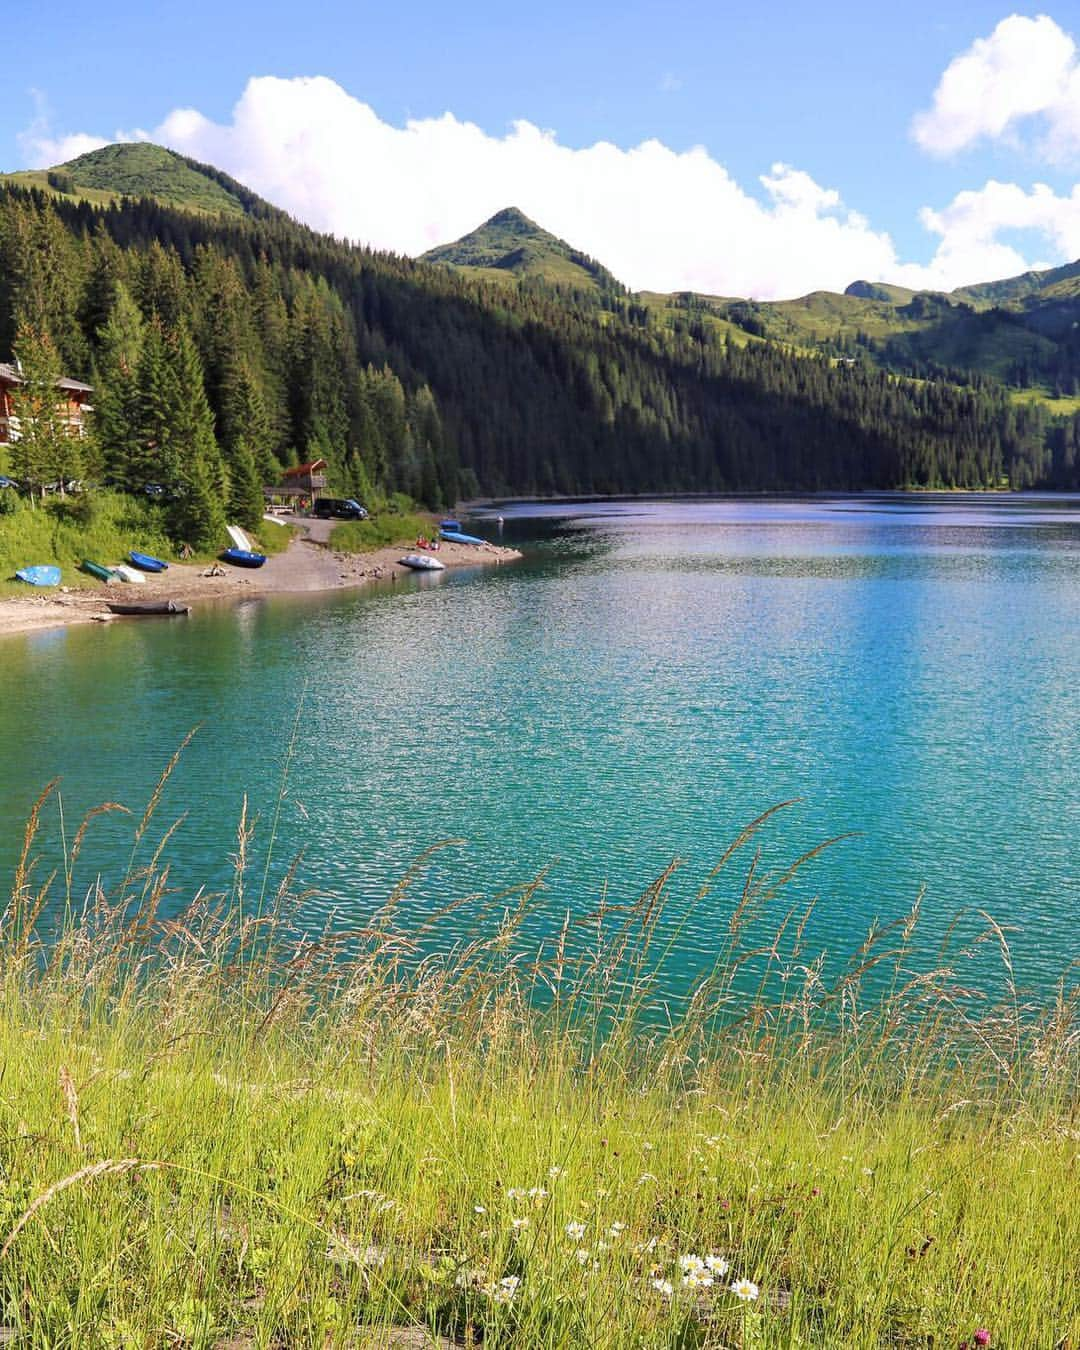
<point x="695" y="1280"/>
<point x="576" y="1230"/>
<point x="583" y="1256"/>
<point x="555" y="1171"/>
<point x="981" y="1336"/>
<point x="537" y="1193"/>
<point x="479" y="1209"/>
<point x="601" y="1192"/>
<point x="691" y="1264"/>
<point x="645" y="1176"/>
<point x="515" y="1193"/>
<point x="648" y="1147"/>
<point x="519" y="1223"/>
<point x="663" y="1287"/>
<point x="349" y="1159"/>
<point x="643" y="1247"/>
<point x="616" y="1230"/>
<point x="504" y="1290"/>
<point x="868" y="1171"/>
<point x="602" y="1247"/>
<point x="746" y="1290"/>
<point x="716" y="1265"/>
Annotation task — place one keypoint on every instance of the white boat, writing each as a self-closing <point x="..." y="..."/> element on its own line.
<point x="419" y="563"/>
<point x="125" y="573"/>
<point x="239" y="538"/>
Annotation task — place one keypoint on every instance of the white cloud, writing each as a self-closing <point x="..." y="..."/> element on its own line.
<point x="661" y="219"/>
<point x="1026" y="68"/>
<point x="38" y="146"/>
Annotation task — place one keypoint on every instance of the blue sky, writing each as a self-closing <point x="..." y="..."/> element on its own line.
<point x="830" y="92"/>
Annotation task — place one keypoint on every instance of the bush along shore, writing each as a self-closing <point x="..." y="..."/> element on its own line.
<point x="434" y="1129"/>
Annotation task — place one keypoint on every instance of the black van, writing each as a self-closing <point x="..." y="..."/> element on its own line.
<point x="338" y="508"/>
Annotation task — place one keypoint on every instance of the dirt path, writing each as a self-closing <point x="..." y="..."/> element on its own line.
<point x="305" y="566"/>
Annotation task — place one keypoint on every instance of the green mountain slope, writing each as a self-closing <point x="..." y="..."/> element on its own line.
<point x="280" y="344"/>
<point x="138" y="169"/>
<point x="510" y="246"/>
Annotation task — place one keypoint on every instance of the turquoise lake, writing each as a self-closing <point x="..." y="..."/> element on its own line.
<point x="652" y="676"/>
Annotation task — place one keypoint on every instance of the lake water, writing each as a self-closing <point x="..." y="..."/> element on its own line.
<point x="649" y="679"/>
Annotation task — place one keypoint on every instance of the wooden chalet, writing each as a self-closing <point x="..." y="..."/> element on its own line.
<point x="73" y="403"/>
<point x="299" y="485"/>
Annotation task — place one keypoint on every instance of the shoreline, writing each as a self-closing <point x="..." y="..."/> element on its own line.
<point x="305" y="567"/>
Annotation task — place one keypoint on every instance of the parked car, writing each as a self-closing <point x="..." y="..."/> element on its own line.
<point x="339" y="508"/>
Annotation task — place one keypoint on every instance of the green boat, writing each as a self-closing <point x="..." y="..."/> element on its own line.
<point x="94" y="569"/>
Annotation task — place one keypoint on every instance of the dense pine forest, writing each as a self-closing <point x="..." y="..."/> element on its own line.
<point x="223" y="347"/>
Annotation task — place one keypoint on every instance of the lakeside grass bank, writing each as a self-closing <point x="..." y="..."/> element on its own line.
<point x="104" y="527"/>
<point x="218" y="1131"/>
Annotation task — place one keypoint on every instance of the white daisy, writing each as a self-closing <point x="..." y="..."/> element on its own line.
<point x="746" y="1290"/>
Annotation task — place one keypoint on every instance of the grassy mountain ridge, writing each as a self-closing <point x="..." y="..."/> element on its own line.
<point x="141" y="169"/>
<point x="1019" y="331"/>
<point x="511" y="246"/>
<point x="424" y="378"/>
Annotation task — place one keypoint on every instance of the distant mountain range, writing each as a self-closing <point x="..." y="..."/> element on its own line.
<point x="1023" y="332"/>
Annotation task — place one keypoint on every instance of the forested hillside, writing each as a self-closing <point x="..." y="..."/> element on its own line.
<point x="222" y="347"/>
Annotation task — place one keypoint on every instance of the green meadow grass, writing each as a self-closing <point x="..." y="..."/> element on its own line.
<point x="385" y="529"/>
<point x="104" y="528"/>
<point x="216" y="1132"/>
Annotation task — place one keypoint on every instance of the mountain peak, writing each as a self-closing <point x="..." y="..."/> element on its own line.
<point x="510" y="246"/>
<point x="142" y="169"/>
<point x="514" y="218"/>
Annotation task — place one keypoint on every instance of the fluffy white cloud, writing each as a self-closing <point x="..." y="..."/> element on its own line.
<point x="659" y="218"/>
<point x="1026" y="68"/>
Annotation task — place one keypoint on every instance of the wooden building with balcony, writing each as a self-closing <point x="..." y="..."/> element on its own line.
<point x="299" y="486"/>
<point x="73" y="403"/>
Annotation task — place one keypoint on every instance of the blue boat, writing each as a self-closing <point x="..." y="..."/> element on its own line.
<point x="41" y="574"/>
<point x="456" y="537"/>
<point x="449" y="524"/>
<point x="145" y="563"/>
<point x="242" y="557"/>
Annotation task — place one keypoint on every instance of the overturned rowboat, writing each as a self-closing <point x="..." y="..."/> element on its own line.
<point x="419" y="563"/>
<point x="97" y="570"/>
<point x="145" y="562"/>
<point x="243" y="557"/>
<point x="40" y="574"/>
<point x="149" y="607"/>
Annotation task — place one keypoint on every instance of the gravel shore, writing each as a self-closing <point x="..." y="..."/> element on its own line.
<point x="307" y="565"/>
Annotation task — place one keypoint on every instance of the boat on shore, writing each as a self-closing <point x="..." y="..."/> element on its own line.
<point x="125" y="573"/>
<point x="449" y="524"/>
<point x="97" y="570"/>
<point x="40" y="574"/>
<point x="146" y="608"/>
<point x="243" y="557"/>
<point x="239" y="538"/>
<point x="145" y="562"/>
<point x="419" y="563"/>
<point x="456" y="537"/>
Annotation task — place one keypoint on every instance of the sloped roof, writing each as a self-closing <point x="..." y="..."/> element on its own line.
<point x="10" y="375"/>
<point x="313" y="467"/>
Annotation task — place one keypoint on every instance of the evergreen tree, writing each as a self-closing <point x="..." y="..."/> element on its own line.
<point x="197" y="512"/>
<point x="46" y="450"/>
<point x="117" y="416"/>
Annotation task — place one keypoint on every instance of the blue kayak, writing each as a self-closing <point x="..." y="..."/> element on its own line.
<point x="242" y="557"/>
<point x="449" y="524"/>
<point x="145" y="563"/>
<point x="41" y="574"/>
<point x="456" y="537"/>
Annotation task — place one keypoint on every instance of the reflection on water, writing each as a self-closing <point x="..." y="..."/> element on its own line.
<point x="653" y="676"/>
